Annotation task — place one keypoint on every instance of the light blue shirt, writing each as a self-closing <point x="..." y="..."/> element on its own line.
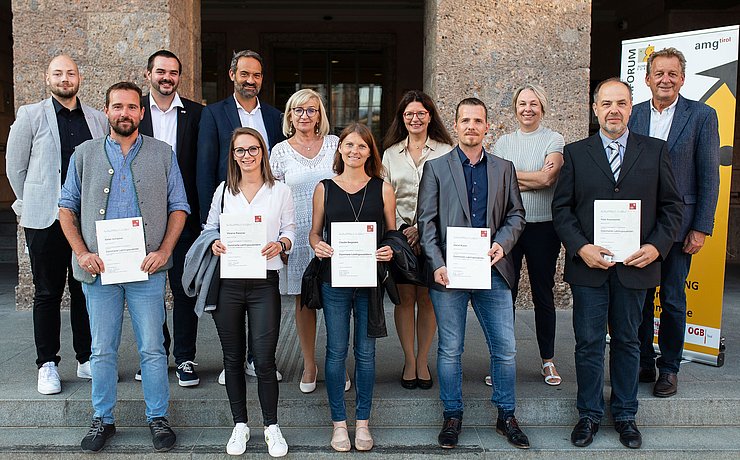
<point x="621" y="140"/>
<point x="122" y="200"/>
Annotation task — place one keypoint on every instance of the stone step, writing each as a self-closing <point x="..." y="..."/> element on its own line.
<point x="396" y="442"/>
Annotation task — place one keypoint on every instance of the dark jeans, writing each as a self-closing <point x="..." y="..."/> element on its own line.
<point x="51" y="265"/>
<point x="541" y="246"/>
<point x="184" y="319"/>
<point x="594" y="308"/>
<point x="259" y="302"/>
<point x="674" y="270"/>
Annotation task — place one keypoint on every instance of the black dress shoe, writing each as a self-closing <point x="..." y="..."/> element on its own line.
<point x="666" y="386"/>
<point x="629" y="435"/>
<point x="514" y="434"/>
<point x="647" y="374"/>
<point x="584" y="431"/>
<point x="450" y="431"/>
<point x="425" y="384"/>
<point x="408" y="384"/>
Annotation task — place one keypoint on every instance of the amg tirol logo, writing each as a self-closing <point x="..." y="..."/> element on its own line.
<point x="713" y="45"/>
<point x="644" y="53"/>
<point x="633" y="206"/>
<point x="134" y="222"/>
<point x="258" y="218"/>
<point x="484" y="233"/>
<point x="370" y="228"/>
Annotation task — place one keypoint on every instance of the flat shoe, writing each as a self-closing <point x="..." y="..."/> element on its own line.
<point x="310" y="386"/>
<point x="340" y="439"/>
<point x="364" y="442"/>
<point x="548" y="371"/>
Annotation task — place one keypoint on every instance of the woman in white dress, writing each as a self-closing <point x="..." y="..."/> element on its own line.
<point x="301" y="161"/>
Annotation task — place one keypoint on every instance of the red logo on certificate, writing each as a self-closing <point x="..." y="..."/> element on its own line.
<point x="134" y="222"/>
<point x="370" y="228"/>
<point x="633" y="206"/>
<point x="258" y="218"/>
<point x="484" y="233"/>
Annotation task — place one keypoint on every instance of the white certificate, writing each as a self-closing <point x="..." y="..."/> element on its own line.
<point x="468" y="262"/>
<point x="244" y="237"/>
<point x="353" y="263"/>
<point x="121" y="246"/>
<point x="617" y="227"/>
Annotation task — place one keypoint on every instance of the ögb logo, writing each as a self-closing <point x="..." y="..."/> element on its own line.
<point x="258" y="218"/>
<point x="633" y="206"/>
<point x="134" y="222"/>
<point x="370" y="228"/>
<point x="698" y="332"/>
<point x="484" y="233"/>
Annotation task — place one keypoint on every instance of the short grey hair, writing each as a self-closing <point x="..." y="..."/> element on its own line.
<point x="537" y="90"/>
<point x="667" y="53"/>
<point x="245" y="54"/>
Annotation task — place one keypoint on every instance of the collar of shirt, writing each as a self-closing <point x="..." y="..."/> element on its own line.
<point x="176" y="102"/>
<point x="668" y="109"/>
<point x="621" y="140"/>
<point x="114" y="148"/>
<point x="58" y="105"/>
<point x="253" y="112"/>
<point x="466" y="161"/>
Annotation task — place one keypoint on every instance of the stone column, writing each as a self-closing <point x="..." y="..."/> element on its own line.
<point x="486" y="48"/>
<point x="110" y="41"/>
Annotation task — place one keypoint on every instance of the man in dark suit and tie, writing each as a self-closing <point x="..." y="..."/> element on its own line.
<point x="219" y="120"/>
<point x="174" y="120"/>
<point x="690" y="130"/>
<point x="613" y="164"/>
<point x="469" y="187"/>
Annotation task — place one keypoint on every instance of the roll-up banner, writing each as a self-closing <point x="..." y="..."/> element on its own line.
<point x="711" y="77"/>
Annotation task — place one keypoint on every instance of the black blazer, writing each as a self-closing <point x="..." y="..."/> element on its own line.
<point x="218" y="121"/>
<point x="188" y="120"/>
<point x="646" y="175"/>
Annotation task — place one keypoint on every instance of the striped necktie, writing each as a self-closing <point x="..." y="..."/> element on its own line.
<point x="615" y="163"/>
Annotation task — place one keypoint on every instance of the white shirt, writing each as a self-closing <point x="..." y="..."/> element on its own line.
<point x="164" y="124"/>
<point x="660" y="122"/>
<point x="274" y="204"/>
<point x="253" y="120"/>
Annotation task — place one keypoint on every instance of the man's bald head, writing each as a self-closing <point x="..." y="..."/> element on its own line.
<point x="63" y="78"/>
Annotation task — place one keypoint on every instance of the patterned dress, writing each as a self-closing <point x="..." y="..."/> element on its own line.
<point x="301" y="174"/>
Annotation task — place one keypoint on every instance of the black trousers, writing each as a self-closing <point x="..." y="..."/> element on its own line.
<point x="184" y="319"/>
<point x="51" y="266"/>
<point x="257" y="301"/>
<point x="540" y="245"/>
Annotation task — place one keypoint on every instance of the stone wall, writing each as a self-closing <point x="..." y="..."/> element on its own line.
<point x="110" y="41"/>
<point x="487" y="48"/>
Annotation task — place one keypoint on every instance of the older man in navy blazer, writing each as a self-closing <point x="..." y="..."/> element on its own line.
<point x="220" y="119"/>
<point x="690" y="130"/>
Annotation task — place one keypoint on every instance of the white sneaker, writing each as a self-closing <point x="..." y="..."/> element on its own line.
<point x="238" y="441"/>
<point x="49" y="383"/>
<point x="222" y="377"/>
<point x="83" y="370"/>
<point x="249" y="370"/>
<point x="276" y="445"/>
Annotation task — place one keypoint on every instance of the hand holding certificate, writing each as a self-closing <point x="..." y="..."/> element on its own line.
<point x="122" y="249"/>
<point x="617" y="227"/>
<point x="353" y="263"/>
<point x="468" y="262"/>
<point x="244" y="237"/>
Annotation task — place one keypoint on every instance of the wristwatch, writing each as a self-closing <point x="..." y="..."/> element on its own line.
<point x="283" y="245"/>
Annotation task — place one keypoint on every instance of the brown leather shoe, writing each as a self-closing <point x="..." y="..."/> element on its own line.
<point x="666" y="386"/>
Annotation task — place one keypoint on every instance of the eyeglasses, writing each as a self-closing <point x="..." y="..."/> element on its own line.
<point x="299" y="111"/>
<point x="253" y="151"/>
<point x="421" y="115"/>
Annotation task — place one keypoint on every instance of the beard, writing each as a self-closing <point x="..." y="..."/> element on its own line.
<point x="122" y="130"/>
<point x="164" y="92"/>
<point x="64" y="93"/>
<point x="246" y="91"/>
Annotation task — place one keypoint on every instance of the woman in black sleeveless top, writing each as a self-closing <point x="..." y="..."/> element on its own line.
<point x="356" y="194"/>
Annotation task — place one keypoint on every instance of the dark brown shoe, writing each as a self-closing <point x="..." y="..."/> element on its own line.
<point x="666" y="386"/>
<point x="514" y="434"/>
<point x="450" y="431"/>
<point x="647" y="374"/>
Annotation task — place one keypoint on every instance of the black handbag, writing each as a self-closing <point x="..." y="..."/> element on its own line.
<point x="311" y="279"/>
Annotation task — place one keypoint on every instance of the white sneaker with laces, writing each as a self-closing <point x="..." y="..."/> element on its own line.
<point x="276" y="445"/>
<point x="249" y="370"/>
<point x="48" y="382"/>
<point x="222" y="377"/>
<point x="238" y="441"/>
<point x="83" y="370"/>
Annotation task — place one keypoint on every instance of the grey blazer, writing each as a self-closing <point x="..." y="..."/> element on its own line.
<point x="34" y="162"/>
<point x="443" y="202"/>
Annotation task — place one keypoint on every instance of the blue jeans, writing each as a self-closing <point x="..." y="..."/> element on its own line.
<point x="594" y="308"/>
<point x="339" y="304"/>
<point x="145" y="301"/>
<point x="674" y="270"/>
<point x="495" y="314"/>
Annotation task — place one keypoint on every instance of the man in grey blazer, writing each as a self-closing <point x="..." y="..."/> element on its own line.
<point x="40" y="144"/>
<point x="690" y="131"/>
<point x="468" y="187"/>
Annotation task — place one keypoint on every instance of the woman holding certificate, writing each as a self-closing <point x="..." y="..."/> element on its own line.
<point x="416" y="135"/>
<point x="352" y="209"/>
<point x="255" y="215"/>
<point x="537" y="154"/>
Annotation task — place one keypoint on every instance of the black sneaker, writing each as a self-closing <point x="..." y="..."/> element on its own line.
<point x="186" y="376"/>
<point x="99" y="432"/>
<point x="163" y="437"/>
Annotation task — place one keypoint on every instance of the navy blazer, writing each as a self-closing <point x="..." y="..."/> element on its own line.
<point x="646" y="175"/>
<point x="693" y="147"/>
<point x="217" y="123"/>
<point x="188" y="120"/>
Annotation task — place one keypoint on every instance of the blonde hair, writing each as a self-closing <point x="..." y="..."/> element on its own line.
<point x="301" y="97"/>
<point x="538" y="91"/>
